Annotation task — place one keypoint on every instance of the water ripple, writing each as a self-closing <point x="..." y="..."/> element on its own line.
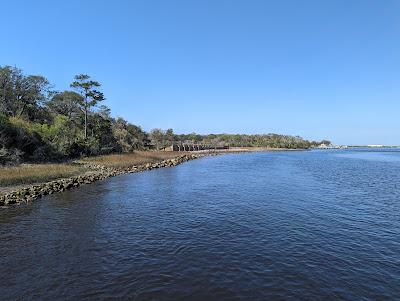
<point x="320" y="225"/>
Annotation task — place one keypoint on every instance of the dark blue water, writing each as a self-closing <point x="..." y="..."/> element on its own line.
<point x="316" y="225"/>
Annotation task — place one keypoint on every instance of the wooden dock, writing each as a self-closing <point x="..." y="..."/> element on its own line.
<point x="188" y="147"/>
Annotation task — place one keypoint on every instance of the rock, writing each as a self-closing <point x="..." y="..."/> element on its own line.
<point x="34" y="192"/>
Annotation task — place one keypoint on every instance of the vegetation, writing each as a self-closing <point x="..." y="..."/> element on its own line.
<point x="131" y="159"/>
<point x="37" y="173"/>
<point x="40" y="173"/>
<point x="90" y="96"/>
<point x="240" y="140"/>
<point x="40" y="124"/>
<point x="161" y="139"/>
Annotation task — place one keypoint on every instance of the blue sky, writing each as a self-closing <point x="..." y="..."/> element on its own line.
<point x="319" y="69"/>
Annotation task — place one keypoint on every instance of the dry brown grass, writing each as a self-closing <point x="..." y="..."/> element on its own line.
<point x="131" y="159"/>
<point x="37" y="173"/>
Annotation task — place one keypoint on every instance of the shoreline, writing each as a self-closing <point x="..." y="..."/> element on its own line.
<point x="19" y="194"/>
<point x="32" y="192"/>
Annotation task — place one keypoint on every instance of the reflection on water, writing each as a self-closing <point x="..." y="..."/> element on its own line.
<point x="283" y="226"/>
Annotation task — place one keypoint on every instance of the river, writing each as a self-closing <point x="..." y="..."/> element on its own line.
<point x="301" y="225"/>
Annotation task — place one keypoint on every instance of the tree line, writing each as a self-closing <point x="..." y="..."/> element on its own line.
<point x="165" y="138"/>
<point x="38" y="123"/>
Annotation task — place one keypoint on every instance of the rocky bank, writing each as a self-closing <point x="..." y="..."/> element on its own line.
<point x="33" y="192"/>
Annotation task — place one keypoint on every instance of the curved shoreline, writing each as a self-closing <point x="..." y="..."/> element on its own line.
<point x="32" y="192"/>
<point x="36" y="191"/>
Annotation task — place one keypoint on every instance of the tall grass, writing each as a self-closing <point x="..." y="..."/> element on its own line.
<point x="36" y="173"/>
<point x="130" y="159"/>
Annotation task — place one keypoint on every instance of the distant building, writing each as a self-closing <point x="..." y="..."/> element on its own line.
<point x="330" y="146"/>
<point x="323" y="145"/>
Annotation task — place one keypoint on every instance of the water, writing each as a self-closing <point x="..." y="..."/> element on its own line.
<point x="316" y="225"/>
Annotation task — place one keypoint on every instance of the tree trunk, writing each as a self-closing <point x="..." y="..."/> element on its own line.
<point x="86" y="117"/>
<point x="22" y="110"/>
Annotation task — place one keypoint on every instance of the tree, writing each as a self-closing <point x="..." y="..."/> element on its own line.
<point x="66" y="103"/>
<point x="104" y="112"/>
<point x="157" y="137"/>
<point x="170" y="136"/>
<point x="22" y="96"/>
<point x="60" y="135"/>
<point x="87" y="88"/>
<point x="129" y="136"/>
<point x="326" y="142"/>
<point x="101" y="128"/>
<point x="34" y="94"/>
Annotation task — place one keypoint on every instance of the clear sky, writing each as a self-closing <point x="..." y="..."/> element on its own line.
<point x="318" y="69"/>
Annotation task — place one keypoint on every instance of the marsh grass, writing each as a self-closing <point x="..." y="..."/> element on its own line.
<point x="131" y="159"/>
<point x="37" y="173"/>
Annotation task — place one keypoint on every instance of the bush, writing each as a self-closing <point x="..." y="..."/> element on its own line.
<point x="10" y="156"/>
<point x="7" y="132"/>
<point x="29" y="138"/>
<point x="19" y="142"/>
<point x="84" y="147"/>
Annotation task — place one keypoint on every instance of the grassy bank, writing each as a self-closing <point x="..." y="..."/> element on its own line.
<point x="36" y="173"/>
<point x="12" y="178"/>
<point x="29" y="193"/>
<point x="27" y="174"/>
<point x="130" y="159"/>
